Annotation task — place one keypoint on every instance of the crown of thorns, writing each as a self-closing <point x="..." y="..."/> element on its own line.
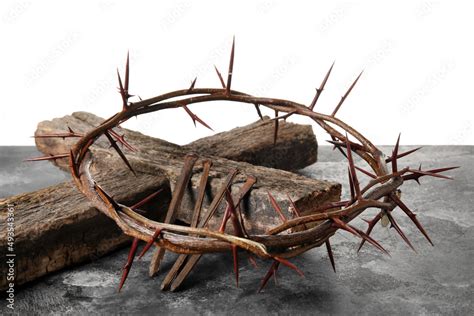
<point x="280" y="243"/>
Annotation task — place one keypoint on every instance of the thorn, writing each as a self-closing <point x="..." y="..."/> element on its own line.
<point x="106" y="197"/>
<point x="156" y="234"/>
<point x="127" y="75"/>
<point x="341" y="224"/>
<point x="412" y="216"/>
<point x="146" y="199"/>
<point x="352" y="169"/>
<point x="276" y="207"/>
<point x="252" y="261"/>
<point x="373" y="176"/>
<point x="399" y="230"/>
<point x="416" y="174"/>
<point x="394" y="155"/>
<point x="235" y="255"/>
<point x="275" y="132"/>
<point x="128" y="265"/>
<point x="195" y="118"/>
<point x="330" y="255"/>
<point x="117" y="149"/>
<point x="403" y="154"/>
<point x="372" y="224"/>
<point x="271" y="271"/>
<point x="50" y="157"/>
<point x="284" y="116"/>
<point x="357" y="232"/>
<point x="321" y="88"/>
<point x="225" y="219"/>
<point x="354" y="146"/>
<point x="220" y="77"/>
<point x="257" y="107"/>
<point x="372" y="241"/>
<point x="122" y="91"/>
<point x="192" y="86"/>
<point x="343" y="98"/>
<point x="231" y="67"/>
<point x="351" y="184"/>
<point x="289" y="265"/>
<point x="121" y="140"/>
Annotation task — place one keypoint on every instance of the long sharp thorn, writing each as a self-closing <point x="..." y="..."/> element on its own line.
<point x="373" y="176"/>
<point x="127" y="75"/>
<point x="417" y="174"/>
<point x="343" y="98"/>
<point x="106" y="197"/>
<point x="394" y="155"/>
<point x="275" y="131"/>
<point x="252" y="261"/>
<point x="403" y="154"/>
<point x="352" y="169"/>
<point x="269" y="274"/>
<point x="231" y="67"/>
<point x="412" y="216"/>
<point x="50" y="157"/>
<point x="128" y="265"/>
<point x="156" y="234"/>
<point x="235" y="255"/>
<point x="321" y="88"/>
<point x="336" y="146"/>
<point x="351" y="184"/>
<point x="121" y="140"/>
<point x="195" y="118"/>
<point x="289" y="265"/>
<point x="372" y="241"/>
<point x="399" y="230"/>
<point x="117" y="149"/>
<point x="220" y="77"/>
<point x="429" y="173"/>
<point x="276" y="207"/>
<point x="122" y="91"/>
<point x="341" y="224"/>
<point x="371" y="223"/>
<point x="257" y="107"/>
<point x="190" y="89"/>
<point x="354" y="146"/>
<point x="330" y="255"/>
<point x="146" y="199"/>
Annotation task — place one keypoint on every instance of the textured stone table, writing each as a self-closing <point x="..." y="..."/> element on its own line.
<point x="437" y="280"/>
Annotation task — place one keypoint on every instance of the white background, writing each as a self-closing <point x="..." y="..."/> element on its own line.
<point x="58" y="57"/>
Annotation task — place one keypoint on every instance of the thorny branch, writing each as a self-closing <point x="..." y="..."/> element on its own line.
<point x="279" y="243"/>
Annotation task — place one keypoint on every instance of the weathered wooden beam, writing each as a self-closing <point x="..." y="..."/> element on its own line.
<point x="56" y="227"/>
<point x="296" y="147"/>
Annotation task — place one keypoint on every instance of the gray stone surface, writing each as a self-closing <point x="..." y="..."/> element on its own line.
<point x="436" y="280"/>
